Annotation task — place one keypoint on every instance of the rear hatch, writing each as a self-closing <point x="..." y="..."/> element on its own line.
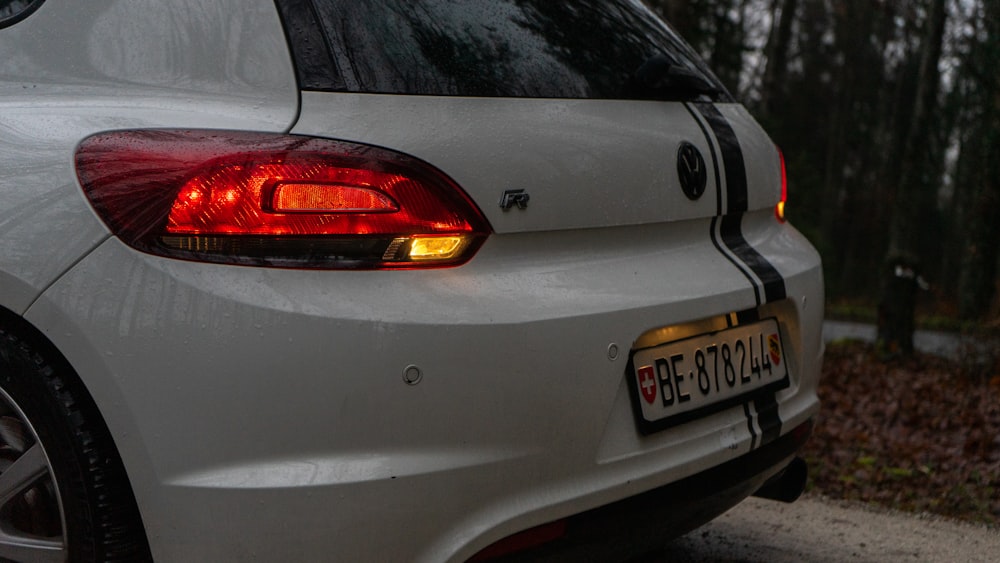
<point x="549" y="115"/>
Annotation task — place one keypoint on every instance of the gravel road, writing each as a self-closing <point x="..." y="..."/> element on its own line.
<point x="815" y="529"/>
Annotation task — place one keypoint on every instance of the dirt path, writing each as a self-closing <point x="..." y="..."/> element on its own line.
<point x="815" y="529"/>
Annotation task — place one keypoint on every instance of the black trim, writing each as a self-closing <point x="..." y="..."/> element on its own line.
<point x="311" y="49"/>
<point x="644" y="523"/>
<point x="767" y="418"/>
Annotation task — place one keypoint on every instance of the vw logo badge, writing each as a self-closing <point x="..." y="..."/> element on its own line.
<point x="691" y="170"/>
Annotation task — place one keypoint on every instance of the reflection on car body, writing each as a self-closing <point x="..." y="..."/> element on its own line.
<point x="429" y="281"/>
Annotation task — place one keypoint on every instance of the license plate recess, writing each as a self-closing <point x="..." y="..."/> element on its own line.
<point x="680" y="381"/>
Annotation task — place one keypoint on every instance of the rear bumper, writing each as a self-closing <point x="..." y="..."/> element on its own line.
<point x="264" y="414"/>
<point x="640" y="524"/>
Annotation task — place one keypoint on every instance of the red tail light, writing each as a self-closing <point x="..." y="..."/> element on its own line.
<point x="779" y="209"/>
<point x="277" y="200"/>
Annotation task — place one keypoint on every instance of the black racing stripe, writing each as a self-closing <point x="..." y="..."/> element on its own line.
<point x="768" y="418"/>
<point x="765" y="407"/>
<point x="732" y="236"/>
<point x="753" y="433"/>
<point x="715" y="160"/>
<point x="737" y="200"/>
<point x="738" y="265"/>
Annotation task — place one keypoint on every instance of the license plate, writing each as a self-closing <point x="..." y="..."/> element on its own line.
<point x="679" y="381"/>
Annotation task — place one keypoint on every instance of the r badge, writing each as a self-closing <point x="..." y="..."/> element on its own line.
<point x="691" y="170"/>
<point x="514" y="198"/>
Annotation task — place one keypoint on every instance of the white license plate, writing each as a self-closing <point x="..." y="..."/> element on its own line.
<point x="679" y="381"/>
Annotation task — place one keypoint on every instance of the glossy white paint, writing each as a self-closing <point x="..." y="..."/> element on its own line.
<point x="237" y="387"/>
<point x="262" y="414"/>
<point x="76" y="68"/>
<point x="557" y="150"/>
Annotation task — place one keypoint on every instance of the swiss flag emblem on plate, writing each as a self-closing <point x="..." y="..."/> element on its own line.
<point x="647" y="383"/>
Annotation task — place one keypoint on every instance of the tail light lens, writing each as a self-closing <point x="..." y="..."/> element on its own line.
<point x="779" y="209"/>
<point x="277" y="200"/>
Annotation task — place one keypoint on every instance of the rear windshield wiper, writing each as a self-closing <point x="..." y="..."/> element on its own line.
<point x="659" y="78"/>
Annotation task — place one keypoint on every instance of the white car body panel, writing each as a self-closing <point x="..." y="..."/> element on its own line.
<point x="262" y="414"/>
<point x="561" y="148"/>
<point x="53" y="94"/>
<point x="323" y="359"/>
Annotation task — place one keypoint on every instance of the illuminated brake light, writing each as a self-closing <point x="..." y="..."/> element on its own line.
<point x="779" y="208"/>
<point x="277" y="200"/>
<point x="313" y="197"/>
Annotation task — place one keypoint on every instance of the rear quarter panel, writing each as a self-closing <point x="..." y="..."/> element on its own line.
<point x="74" y="68"/>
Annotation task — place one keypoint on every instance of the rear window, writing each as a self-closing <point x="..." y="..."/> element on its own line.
<point x="613" y="49"/>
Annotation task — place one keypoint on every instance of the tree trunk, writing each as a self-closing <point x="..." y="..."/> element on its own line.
<point x="914" y="193"/>
<point x="728" y="45"/>
<point x="772" y="87"/>
<point x="977" y="282"/>
<point x="979" y="261"/>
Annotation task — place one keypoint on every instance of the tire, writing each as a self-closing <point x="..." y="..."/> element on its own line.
<point x="64" y="494"/>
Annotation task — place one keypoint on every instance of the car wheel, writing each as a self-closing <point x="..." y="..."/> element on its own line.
<point x="64" y="495"/>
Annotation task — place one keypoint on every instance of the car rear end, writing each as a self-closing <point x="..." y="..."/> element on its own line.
<point x="610" y="331"/>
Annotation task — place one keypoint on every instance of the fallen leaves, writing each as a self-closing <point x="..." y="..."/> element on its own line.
<point x="921" y="434"/>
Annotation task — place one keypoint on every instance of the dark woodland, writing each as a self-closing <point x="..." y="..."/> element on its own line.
<point x="888" y="113"/>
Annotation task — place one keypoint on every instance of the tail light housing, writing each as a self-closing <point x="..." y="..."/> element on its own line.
<point x="779" y="208"/>
<point x="277" y="200"/>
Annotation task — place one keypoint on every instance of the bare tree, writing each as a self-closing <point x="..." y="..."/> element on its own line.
<point x="915" y="193"/>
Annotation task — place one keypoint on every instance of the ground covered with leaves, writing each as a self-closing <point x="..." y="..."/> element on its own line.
<point x="921" y="434"/>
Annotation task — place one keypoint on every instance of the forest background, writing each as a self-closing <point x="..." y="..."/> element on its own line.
<point x="888" y="113"/>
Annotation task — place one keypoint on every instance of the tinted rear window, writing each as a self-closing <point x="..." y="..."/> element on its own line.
<point x="504" y="48"/>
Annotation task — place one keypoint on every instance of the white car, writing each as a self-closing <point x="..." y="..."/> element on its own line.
<point x="329" y="280"/>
